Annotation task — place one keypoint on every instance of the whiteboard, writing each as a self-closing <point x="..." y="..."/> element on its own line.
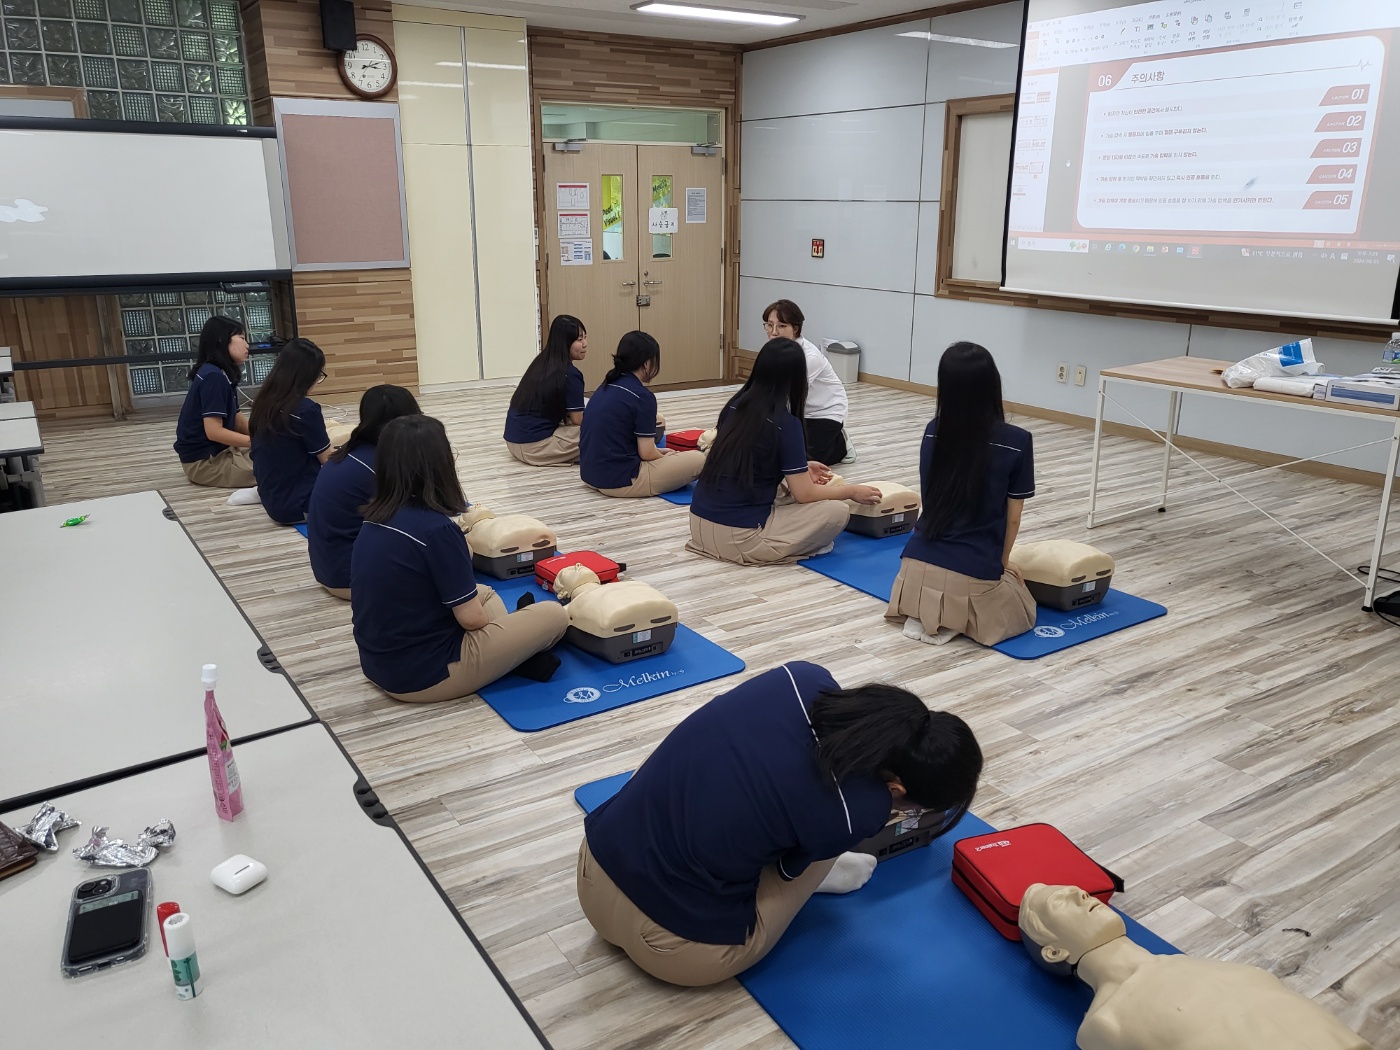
<point x="96" y="205"/>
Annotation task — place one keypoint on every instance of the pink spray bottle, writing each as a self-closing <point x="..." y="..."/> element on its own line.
<point x="223" y="772"/>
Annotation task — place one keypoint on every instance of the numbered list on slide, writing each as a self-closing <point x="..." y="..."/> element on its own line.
<point x="1268" y="139"/>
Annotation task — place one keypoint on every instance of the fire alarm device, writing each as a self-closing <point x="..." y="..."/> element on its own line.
<point x="818" y="248"/>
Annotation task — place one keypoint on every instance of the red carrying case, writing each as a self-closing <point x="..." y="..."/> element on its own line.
<point x="683" y="440"/>
<point x="547" y="571"/>
<point x="995" y="870"/>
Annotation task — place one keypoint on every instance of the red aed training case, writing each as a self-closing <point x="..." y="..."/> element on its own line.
<point x="683" y="440"/>
<point x="547" y="571"/>
<point x="995" y="870"/>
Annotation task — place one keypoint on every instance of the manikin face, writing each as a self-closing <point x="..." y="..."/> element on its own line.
<point x="777" y="329"/>
<point x="238" y="348"/>
<point x="1066" y="922"/>
<point x="578" y="349"/>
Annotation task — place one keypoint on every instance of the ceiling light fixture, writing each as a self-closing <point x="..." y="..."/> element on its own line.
<point x="958" y="40"/>
<point x="715" y="14"/>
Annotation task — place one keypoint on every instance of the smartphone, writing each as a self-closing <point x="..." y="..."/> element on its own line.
<point x="107" y="921"/>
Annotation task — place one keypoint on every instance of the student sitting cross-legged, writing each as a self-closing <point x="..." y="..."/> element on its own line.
<point x="975" y="472"/>
<point x="739" y="512"/>
<point x="617" y="444"/>
<point x="211" y="436"/>
<point x="345" y="484"/>
<point x="698" y="864"/>
<point x="424" y="628"/>
<point x="546" y="409"/>
<point x="289" y="433"/>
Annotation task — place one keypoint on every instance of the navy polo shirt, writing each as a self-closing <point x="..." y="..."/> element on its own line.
<point x="732" y="789"/>
<point x="524" y="428"/>
<point x="973" y="543"/>
<point x="333" y="516"/>
<point x="210" y="394"/>
<point x="780" y="451"/>
<point x="410" y="573"/>
<point x="618" y="415"/>
<point x="285" y="464"/>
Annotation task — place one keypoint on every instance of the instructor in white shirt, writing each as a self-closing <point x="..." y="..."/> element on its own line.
<point x="825" y="417"/>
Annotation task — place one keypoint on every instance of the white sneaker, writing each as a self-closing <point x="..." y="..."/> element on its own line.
<point x="244" y="497"/>
<point x="850" y="449"/>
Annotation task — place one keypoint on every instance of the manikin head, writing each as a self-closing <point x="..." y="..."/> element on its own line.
<point x="1062" y="924"/>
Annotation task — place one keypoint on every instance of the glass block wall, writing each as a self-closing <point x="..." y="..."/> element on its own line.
<point x="168" y="60"/>
<point x="169" y="323"/>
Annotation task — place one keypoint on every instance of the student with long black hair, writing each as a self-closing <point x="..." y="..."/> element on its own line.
<point x="542" y="423"/>
<point x="288" y="432"/>
<point x="211" y="436"/>
<point x="739" y="512"/>
<point x="749" y="806"/>
<point x="617" y="442"/>
<point x="975" y="472"/>
<point x="345" y="484"/>
<point x="425" y="630"/>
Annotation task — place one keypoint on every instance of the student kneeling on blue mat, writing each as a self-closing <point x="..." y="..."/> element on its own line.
<point x="425" y="631"/>
<point x="698" y="864"/>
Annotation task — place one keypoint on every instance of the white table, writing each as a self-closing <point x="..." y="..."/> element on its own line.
<point x="20" y="446"/>
<point x="349" y="942"/>
<point x="1195" y="375"/>
<point x="7" y="374"/>
<point x="103" y="629"/>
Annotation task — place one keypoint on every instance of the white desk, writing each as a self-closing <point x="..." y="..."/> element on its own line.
<point x="1197" y="375"/>
<point x="7" y="373"/>
<point x="20" y="444"/>
<point x="103" y="628"/>
<point x="348" y="943"/>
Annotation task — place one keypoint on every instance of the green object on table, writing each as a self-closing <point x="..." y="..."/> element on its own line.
<point x="74" y="521"/>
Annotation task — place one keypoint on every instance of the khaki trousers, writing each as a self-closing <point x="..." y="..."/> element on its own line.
<point x="558" y="450"/>
<point x="502" y="645"/>
<point x="343" y="593"/>
<point x="666" y="474"/>
<point x="987" y="611"/>
<point x="673" y="959"/>
<point x="230" y="469"/>
<point x="792" y="531"/>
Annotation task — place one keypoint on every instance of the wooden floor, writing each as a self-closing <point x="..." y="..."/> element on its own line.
<point x="1237" y="761"/>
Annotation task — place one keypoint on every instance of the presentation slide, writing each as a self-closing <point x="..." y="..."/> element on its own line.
<point x="84" y="205"/>
<point x="1236" y="155"/>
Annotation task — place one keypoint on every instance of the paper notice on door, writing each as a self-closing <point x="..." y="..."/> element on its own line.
<point x="663" y="220"/>
<point x="576" y="253"/>
<point x="571" y="196"/>
<point x="573" y="225"/>
<point x="695" y="203"/>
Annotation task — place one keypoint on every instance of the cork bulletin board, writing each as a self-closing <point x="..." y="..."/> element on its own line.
<point x="342" y="166"/>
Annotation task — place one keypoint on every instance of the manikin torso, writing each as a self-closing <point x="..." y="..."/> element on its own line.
<point x="1174" y="1002"/>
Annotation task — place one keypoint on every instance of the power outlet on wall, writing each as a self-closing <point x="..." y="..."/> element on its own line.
<point x="1061" y="373"/>
<point x="1080" y="374"/>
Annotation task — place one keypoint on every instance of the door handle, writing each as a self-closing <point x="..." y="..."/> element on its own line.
<point x="629" y="284"/>
<point x="652" y="282"/>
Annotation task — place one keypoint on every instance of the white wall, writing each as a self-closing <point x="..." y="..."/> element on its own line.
<point x="843" y="140"/>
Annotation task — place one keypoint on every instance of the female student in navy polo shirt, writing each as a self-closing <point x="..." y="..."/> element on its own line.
<point x="749" y="806"/>
<point x="289" y="434"/>
<point x="617" y="443"/>
<point x="425" y="630"/>
<point x="975" y="472"/>
<point x="211" y="437"/>
<point x="546" y="409"/>
<point x="738" y="513"/>
<point x="345" y="484"/>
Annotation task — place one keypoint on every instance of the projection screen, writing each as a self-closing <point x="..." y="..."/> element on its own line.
<point x="1238" y="155"/>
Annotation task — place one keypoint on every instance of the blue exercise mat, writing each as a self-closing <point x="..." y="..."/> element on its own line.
<point x="863" y="562"/>
<point x="681" y="496"/>
<point x="301" y="529"/>
<point x="586" y="684"/>
<point x="596" y="792"/>
<point x="907" y="961"/>
<point x="1055" y="630"/>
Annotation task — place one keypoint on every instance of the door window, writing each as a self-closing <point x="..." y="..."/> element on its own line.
<point x="612" y="217"/>
<point x="661" y="197"/>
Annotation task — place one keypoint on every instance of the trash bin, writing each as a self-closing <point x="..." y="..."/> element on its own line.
<point x="845" y="360"/>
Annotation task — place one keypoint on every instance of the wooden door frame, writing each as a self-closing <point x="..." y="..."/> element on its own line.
<point x="585" y="92"/>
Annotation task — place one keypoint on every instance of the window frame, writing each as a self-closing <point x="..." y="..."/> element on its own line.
<point x="956" y="110"/>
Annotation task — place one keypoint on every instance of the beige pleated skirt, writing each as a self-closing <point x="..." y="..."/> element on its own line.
<point x="560" y="449"/>
<point x="987" y="611"/>
<point x="793" y="530"/>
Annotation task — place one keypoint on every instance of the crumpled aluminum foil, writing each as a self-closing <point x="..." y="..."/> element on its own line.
<point x="44" y="826"/>
<point x="104" y="852"/>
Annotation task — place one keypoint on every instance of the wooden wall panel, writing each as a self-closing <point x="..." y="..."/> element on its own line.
<point x="363" y="320"/>
<point x="51" y="328"/>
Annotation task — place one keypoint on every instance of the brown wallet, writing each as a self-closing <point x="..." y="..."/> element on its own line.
<point x="16" y="853"/>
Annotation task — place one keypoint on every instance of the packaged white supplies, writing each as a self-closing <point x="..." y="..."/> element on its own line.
<point x="1291" y="359"/>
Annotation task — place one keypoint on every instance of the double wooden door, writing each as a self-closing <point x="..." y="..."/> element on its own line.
<point x="606" y="266"/>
